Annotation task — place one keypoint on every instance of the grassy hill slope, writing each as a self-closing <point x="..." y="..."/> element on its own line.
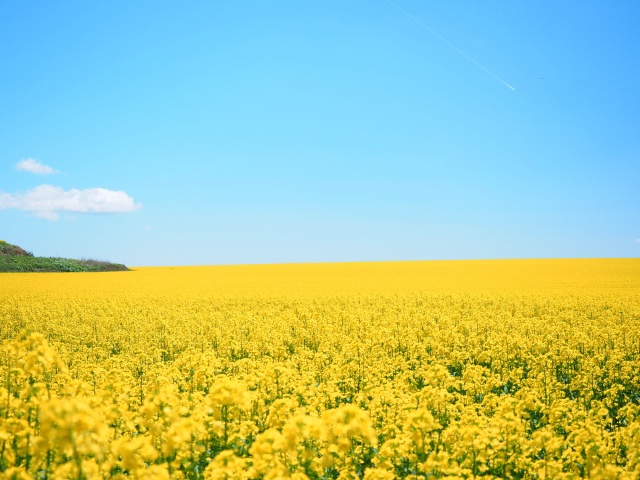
<point x="16" y="259"/>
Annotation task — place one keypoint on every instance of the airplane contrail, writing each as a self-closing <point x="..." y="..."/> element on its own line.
<point x="450" y="45"/>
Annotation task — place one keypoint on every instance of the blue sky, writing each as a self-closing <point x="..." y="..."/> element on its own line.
<point x="210" y="132"/>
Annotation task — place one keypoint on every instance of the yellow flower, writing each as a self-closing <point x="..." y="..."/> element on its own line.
<point x="378" y="474"/>
<point x="226" y="466"/>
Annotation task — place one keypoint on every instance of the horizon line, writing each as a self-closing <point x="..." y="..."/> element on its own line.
<point x="330" y="262"/>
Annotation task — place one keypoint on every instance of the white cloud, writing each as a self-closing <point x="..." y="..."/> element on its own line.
<point x="638" y="241"/>
<point x="34" y="166"/>
<point x="46" y="201"/>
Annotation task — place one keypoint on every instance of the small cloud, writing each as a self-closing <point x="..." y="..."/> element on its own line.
<point x="46" y="201"/>
<point x="34" y="166"/>
<point x="637" y="241"/>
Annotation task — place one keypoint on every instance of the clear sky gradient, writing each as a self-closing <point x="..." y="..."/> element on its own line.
<point x="210" y="132"/>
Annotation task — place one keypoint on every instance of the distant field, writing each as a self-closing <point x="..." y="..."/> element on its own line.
<point x="452" y="369"/>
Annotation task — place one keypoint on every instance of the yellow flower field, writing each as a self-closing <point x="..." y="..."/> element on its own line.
<point x="462" y="369"/>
